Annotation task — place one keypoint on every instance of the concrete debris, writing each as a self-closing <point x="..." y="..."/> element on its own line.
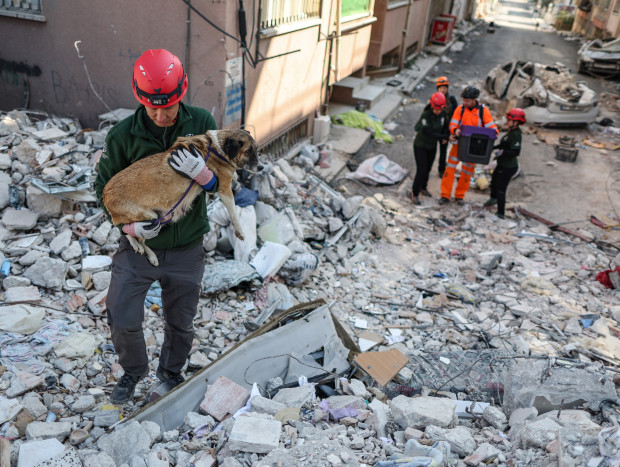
<point x="563" y="385"/>
<point x="223" y="398"/>
<point x="419" y="412"/>
<point x="511" y="364"/>
<point x="255" y="433"/>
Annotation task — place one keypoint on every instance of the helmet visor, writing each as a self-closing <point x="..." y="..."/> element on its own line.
<point x="158" y="100"/>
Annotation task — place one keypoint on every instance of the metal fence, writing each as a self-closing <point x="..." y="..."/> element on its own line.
<point x="280" y="145"/>
<point x="279" y="12"/>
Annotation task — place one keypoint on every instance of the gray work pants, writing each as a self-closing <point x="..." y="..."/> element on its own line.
<point x="179" y="274"/>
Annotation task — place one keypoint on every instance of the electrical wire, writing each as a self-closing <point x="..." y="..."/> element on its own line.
<point x="244" y="46"/>
<point x="279" y="356"/>
<point x="81" y="57"/>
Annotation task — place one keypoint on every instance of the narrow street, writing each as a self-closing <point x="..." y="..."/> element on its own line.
<point x="543" y="186"/>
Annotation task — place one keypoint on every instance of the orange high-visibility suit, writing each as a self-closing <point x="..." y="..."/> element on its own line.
<point x="463" y="116"/>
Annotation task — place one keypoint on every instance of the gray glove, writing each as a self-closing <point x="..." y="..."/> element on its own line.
<point x="142" y="229"/>
<point x="188" y="163"/>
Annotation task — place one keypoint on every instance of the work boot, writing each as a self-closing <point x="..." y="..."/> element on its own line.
<point x="460" y="201"/>
<point x="501" y="216"/>
<point x="425" y="192"/>
<point x="490" y="202"/>
<point x="443" y="200"/>
<point x="440" y="172"/>
<point x="415" y="200"/>
<point x="170" y="378"/>
<point x="124" y="389"/>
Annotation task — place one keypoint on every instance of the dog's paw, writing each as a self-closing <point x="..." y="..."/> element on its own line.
<point x="239" y="235"/>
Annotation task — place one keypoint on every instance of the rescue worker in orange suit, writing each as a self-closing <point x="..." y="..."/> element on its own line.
<point x="451" y="104"/>
<point x="473" y="113"/>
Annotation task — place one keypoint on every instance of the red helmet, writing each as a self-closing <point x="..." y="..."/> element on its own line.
<point x="516" y="114"/>
<point x="442" y="81"/>
<point x="438" y="100"/>
<point x="158" y="79"/>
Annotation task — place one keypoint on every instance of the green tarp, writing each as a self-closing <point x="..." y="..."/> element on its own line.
<point x="356" y="119"/>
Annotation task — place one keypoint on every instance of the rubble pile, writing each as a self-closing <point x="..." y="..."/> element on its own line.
<point x="472" y="340"/>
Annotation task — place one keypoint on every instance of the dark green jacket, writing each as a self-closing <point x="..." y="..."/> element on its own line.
<point x="431" y="128"/>
<point x="510" y="144"/>
<point x="132" y="139"/>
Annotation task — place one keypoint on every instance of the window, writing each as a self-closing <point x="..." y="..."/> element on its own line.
<point x="354" y="8"/>
<point x="617" y="7"/>
<point x="276" y="13"/>
<point x="25" y="9"/>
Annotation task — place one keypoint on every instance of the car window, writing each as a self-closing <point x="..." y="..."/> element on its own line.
<point x="528" y="68"/>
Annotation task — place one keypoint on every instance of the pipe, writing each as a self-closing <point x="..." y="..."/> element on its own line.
<point x="329" y="72"/>
<point x="338" y="18"/>
<point x="426" y="25"/>
<point x="260" y="13"/>
<point x="403" y="45"/>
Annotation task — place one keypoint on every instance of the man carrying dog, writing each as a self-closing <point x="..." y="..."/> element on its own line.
<point x="159" y="84"/>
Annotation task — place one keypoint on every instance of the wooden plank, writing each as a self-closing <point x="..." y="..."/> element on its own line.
<point x="382" y="366"/>
<point x="557" y="227"/>
<point x="5" y="452"/>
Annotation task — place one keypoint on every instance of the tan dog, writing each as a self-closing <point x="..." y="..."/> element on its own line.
<point x="149" y="188"/>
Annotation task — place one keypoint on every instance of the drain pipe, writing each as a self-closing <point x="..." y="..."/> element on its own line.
<point x="338" y="18"/>
<point x="403" y="45"/>
<point x="426" y="25"/>
<point x="243" y="30"/>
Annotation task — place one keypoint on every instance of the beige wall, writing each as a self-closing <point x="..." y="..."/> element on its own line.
<point x="112" y="34"/>
<point x="613" y="22"/>
<point x="283" y="90"/>
<point x="387" y="31"/>
<point x="279" y="92"/>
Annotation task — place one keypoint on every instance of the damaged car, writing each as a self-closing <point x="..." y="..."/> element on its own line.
<point x="600" y="58"/>
<point x="549" y="94"/>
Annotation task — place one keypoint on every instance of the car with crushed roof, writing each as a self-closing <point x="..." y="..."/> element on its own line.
<point x="549" y="94"/>
<point x="600" y="58"/>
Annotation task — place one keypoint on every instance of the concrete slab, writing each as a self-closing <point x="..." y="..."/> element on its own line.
<point x="338" y="164"/>
<point x="252" y="433"/>
<point x="224" y="397"/>
<point x="387" y="106"/>
<point x="336" y="108"/>
<point x="353" y="83"/>
<point x="348" y="140"/>
<point x="369" y="94"/>
<point x="410" y="77"/>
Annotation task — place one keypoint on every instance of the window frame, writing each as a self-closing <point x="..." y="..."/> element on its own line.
<point x="23" y="9"/>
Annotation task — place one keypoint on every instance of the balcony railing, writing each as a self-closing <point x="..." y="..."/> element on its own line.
<point x="280" y="12"/>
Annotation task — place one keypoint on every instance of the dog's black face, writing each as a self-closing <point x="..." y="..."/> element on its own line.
<point x="241" y="148"/>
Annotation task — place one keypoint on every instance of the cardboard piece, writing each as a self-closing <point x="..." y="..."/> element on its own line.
<point x="369" y="339"/>
<point x="382" y="366"/>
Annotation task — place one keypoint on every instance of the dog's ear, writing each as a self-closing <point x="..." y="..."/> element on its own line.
<point x="231" y="147"/>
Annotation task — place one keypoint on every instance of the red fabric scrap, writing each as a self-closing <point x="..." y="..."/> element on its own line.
<point x="603" y="277"/>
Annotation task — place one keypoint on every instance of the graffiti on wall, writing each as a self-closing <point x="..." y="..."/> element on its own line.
<point x="12" y="72"/>
<point x="68" y="89"/>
